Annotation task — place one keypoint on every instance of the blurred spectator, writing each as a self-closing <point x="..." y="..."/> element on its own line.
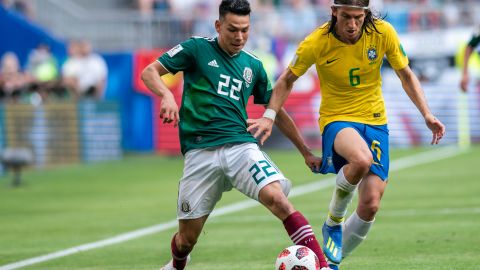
<point x="202" y="20"/>
<point x="147" y="7"/>
<point x="162" y="5"/>
<point x="261" y="5"/>
<point x="295" y="13"/>
<point x="13" y="82"/>
<point x="263" y="50"/>
<point x="85" y="72"/>
<point x="23" y="7"/>
<point x="42" y="66"/>
<point x="184" y="7"/>
<point x="376" y="5"/>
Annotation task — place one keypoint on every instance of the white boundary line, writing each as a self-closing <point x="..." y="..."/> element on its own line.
<point x="399" y="164"/>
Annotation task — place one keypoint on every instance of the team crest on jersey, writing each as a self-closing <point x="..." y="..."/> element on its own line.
<point x="175" y="50"/>
<point x="247" y="75"/>
<point x="372" y="53"/>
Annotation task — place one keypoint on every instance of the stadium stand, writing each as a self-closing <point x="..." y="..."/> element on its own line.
<point x="128" y="35"/>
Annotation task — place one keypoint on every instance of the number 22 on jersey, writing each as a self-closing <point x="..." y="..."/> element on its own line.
<point x="229" y="87"/>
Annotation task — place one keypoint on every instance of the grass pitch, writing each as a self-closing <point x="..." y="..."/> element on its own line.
<point x="428" y="220"/>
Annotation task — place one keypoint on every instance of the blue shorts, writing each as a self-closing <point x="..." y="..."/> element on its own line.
<point x="376" y="138"/>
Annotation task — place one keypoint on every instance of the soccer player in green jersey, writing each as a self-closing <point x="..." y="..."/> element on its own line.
<point x="220" y="154"/>
<point x="348" y="52"/>
<point x="472" y="44"/>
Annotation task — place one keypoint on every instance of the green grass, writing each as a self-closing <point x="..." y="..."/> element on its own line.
<point x="428" y="220"/>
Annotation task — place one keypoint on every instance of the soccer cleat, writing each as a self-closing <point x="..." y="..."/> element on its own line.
<point x="332" y="242"/>
<point x="169" y="265"/>
<point x="333" y="266"/>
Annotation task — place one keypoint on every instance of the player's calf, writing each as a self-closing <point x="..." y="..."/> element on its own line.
<point x="301" y="233"/>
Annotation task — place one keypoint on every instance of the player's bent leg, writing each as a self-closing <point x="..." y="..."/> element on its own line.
<point x="352" y="148"/>
<point x="274" y="198"/>
<point x="332" y="228"/>
<point x="358" y="225"/>
<point x="370" y="192"/>
<point x="354" y="233"/>
<point x="296" y="225"/>
<point x="184" y="241"/>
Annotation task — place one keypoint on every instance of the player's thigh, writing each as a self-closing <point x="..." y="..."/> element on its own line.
<point x="351" y="145"/>
<point x="335" y="137"/>
<point x="202" y="184"/>
<point x="250" y="170"/>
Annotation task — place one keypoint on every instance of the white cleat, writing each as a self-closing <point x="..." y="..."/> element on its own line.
<point x="169" y="265"/>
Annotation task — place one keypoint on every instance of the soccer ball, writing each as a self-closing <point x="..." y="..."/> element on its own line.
<point x="297" y="258"/>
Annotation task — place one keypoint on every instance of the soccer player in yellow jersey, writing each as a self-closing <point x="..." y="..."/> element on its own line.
<point x="348" y="52"/>
<point x="472" y="44"/>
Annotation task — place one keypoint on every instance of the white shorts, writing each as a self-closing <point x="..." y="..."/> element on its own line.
<point x="209" y="172"/>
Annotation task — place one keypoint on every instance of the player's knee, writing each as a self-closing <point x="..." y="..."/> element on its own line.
<point x="186" y="242"/>
<point x="280" y="206"/>
<point x="278" y="201"/>
<point x="363" y="162"/>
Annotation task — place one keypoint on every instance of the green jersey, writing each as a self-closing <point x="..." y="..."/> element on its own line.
<point x="216" y="90"/>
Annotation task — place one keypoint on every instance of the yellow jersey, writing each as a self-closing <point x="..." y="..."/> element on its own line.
<point x="349" y="74"/>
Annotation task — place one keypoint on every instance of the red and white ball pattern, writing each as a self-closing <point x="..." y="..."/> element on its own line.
<point x="297" y="258"/>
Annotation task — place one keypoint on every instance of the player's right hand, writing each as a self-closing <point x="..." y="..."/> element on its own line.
<point x="262" y="128"/>
<point x="169" y="110"/>
<point x="437" y="128"/>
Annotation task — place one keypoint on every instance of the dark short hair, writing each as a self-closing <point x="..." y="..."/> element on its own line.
<point x="238" y="7"/>
<point x="370" y="18"/>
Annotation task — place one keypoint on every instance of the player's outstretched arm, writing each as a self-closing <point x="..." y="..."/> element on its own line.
<point x="412" y="87"/>
<point x="287" y="126"/>
<point x="152" y="77"/>
<point x="263" y="126"/>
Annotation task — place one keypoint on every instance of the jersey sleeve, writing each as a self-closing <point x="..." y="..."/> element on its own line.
<point x="396" y="55"/>
<point x="180" y="57"/>
<point x="304" y="56"/>
<point x="263" y="89"/>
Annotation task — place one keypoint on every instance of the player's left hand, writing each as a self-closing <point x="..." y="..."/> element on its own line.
<point x="437" y="128"/>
